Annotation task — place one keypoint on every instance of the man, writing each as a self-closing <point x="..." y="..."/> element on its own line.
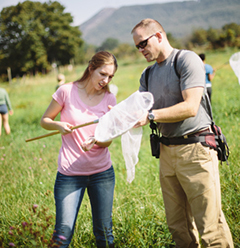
<point x="189" y="172"/>
<point x="210" y="73"/>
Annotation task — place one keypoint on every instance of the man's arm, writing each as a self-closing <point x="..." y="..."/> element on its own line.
<point x="181" y="111"/>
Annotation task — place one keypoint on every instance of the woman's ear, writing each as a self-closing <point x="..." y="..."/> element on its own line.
<point x="89" y="68"/>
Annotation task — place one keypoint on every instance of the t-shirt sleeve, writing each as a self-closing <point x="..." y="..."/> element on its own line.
<point x="209" y="69"/>
<point x="60" y="95"/>
<point x="191" y="69"/>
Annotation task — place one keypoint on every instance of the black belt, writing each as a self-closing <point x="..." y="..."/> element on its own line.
<point x="186" y="139"/>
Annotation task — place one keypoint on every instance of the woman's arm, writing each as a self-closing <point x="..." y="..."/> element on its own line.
<point x="47" y="120"/>
<point x="89" y="143"/>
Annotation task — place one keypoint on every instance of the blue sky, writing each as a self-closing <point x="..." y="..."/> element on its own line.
<point x="82" y="10"/>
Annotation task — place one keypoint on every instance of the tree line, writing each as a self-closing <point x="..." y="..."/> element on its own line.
<point x="35" y="37"/>
<point x="227" y="36"/>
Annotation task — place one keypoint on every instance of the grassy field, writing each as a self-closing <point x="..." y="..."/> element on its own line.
<point x="28" y="169"/>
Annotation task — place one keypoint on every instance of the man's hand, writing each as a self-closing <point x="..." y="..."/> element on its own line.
<point x="142" y="122"/>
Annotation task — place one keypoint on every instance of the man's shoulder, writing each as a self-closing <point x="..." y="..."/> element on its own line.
<point x="187" y="54"/>
<point x="189" y="59"/>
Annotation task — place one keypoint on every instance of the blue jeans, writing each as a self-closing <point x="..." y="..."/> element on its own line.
<point x="69" y="192"/>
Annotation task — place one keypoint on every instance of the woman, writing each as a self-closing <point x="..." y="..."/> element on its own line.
<point x="83" y="162"/>
<point x="5" y="105"/>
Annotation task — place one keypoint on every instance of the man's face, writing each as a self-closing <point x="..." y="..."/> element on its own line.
<point x="147" y="43"/>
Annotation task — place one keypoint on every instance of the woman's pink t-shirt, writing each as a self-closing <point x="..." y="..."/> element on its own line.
<point x="72" y="160"/>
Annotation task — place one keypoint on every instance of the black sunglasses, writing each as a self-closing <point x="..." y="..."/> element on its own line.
<point x="143" y="43"/>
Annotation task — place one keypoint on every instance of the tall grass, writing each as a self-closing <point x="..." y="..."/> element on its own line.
<point x="28" y="169"/>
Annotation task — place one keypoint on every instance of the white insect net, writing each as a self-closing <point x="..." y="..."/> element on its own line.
<point x="113" y="89"/>
<point x="131" y="142"/>
<point x="120" y="120"/>
<point x="235" y="64"/>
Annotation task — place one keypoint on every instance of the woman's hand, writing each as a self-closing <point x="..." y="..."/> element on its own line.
<point x="142" y="122"/>
<point x="88" y="144"/>
<point x="64" y="127"/>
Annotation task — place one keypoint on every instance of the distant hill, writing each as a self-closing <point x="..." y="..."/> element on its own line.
<point x="178" y="18"/>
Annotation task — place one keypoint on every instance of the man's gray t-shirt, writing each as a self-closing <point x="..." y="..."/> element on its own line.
<point x="167" y="89"/>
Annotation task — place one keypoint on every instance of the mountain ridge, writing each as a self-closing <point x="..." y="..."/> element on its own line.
<point x="177" y="18"/>
<point x="100" y="16"/>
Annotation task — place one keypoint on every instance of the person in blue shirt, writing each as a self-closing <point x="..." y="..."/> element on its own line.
<point x="210" y="73"/>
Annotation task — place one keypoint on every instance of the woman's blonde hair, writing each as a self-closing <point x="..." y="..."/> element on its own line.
<point x="99" y="59"/>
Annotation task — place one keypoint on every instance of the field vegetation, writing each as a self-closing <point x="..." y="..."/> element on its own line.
<point x="28" y="170"/>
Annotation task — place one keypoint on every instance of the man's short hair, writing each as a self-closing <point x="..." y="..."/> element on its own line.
<point x="150" y="24"/>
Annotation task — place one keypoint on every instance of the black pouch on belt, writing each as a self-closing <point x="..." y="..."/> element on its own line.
<point x="154" y="140"/>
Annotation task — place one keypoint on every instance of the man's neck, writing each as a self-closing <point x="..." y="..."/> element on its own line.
<point x="164" y="54"/>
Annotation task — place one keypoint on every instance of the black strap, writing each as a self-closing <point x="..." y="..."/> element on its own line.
<point x="154" y="128"/>
<point x="181" y="141"/>
<point x="205" y="101"/>
<point x="146" y="75"/>
<point x="175" y="63"/>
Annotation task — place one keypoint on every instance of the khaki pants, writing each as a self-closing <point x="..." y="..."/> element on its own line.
<point x="190" y="185"/>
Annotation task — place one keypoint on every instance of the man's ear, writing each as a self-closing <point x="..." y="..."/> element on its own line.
<point x="159" y="35"/>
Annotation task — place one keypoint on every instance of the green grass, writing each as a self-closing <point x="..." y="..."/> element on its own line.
<point x="28" y="169"/>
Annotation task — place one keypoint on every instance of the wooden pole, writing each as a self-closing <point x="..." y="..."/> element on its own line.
<point x="57" y="132"/>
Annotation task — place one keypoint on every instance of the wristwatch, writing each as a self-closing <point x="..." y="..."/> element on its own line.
<point x="151" y="116"/>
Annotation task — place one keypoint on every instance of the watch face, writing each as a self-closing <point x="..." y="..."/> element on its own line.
<point x="151" y="116"/>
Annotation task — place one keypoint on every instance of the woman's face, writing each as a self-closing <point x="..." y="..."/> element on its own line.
<point x="102" y="76"/>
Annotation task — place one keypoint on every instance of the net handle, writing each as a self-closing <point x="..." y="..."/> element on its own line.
<point x="57" y="132"/>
